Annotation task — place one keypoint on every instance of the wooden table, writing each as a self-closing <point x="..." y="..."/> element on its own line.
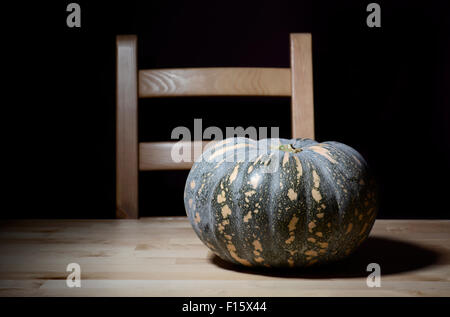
<point x="164" y="257"/>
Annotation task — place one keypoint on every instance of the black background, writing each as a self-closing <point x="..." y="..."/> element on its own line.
<point x="383" y="91"/>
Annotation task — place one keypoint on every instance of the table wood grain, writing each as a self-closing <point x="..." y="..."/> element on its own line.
<point x="164" y="257"/>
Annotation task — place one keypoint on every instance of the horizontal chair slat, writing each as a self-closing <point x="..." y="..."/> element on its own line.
<point x="158" y="155"/>
<point x="241" y="81"/>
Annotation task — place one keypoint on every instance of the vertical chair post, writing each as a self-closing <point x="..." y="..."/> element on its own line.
<point x="302" y="104"/>
<point x="126" y="128"/>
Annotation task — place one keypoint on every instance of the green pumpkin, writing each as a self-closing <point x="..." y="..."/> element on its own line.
<point x="279" y="202"/>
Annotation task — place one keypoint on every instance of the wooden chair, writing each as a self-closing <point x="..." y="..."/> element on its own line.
<point x="132" y="156"/>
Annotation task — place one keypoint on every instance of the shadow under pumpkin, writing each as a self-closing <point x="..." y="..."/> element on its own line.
<point x="393" y="256"/>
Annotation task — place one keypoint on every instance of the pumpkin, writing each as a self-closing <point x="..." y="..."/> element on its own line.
<point x="280" y="202"/>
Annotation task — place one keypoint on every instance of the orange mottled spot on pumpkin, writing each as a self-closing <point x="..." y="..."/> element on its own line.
<point x="193" y="184"/>
<point x="299" y="167"/>
<point x="226" y="211"/>
<point x="201" y="188"/>
<point x="234" y="174"/>
<point x="250" y="193"/>
<point x="311" y="226"/>
<point x="257" y="245"/>
<point x="221" y="197"/>
<point x="291" y="226"/>
<point x="319" y="149"/>
<point x="363" y="228"/>
<point x="248" y="216"/>
<point x="232" y="250"/>
<point x="316" y="179"/>
<point x="312" y="262"/>
<point x="285" y="159"/>
<point x="293" y="223"/>
<point x="214" y="146"/>
<point x="290" y="240"/>
<point x="311" y="253"/>
<point x="222" y="151"/>
<point x="197" y="218"/>
<point x="291" y="262"/>
<point x="316" y="195"/>
<point x="292" y="194"/>
<point x="349" y="228"/>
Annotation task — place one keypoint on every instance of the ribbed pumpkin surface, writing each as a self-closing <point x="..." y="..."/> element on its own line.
<point x="279" y="202"/>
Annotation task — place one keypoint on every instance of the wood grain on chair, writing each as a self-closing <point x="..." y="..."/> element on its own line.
<point x="295" y="82"/>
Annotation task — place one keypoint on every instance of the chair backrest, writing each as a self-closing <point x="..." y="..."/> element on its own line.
<point x="132" y="156"/>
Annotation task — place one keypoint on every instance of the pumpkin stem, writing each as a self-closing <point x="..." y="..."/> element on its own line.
<point x="289" y="148"/>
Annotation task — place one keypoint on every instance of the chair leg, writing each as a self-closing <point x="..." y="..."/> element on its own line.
<point x="302" y="105"/>
<point x="126" y="132"/>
